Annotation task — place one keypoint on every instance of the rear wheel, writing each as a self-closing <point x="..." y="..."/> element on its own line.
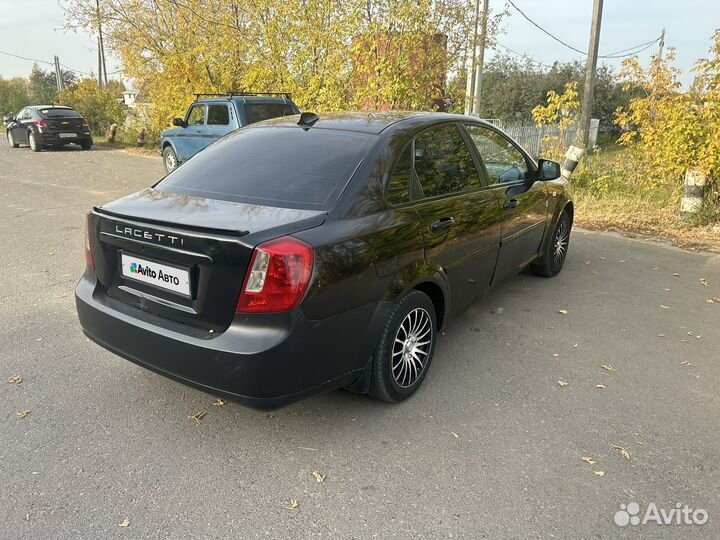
<point x="170" y="159"/>
<point x="405" y="350"/>
<point x="86" y="145"/>
<point x="35" y="145"/>
<point x="553" y="257"/>
<point x="11" y="139"/>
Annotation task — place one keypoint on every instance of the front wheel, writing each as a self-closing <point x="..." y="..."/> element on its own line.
<point x="170" y="159"/>
<point x="553" y="257"/>
<point x="35" y="146"/>
<point x="11" y="139"/>
<point x="405" y="350"/>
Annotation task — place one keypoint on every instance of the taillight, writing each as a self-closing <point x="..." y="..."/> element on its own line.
<point x="89" y="259"/>
<point x="41" y="123"/>
<point x="85" y="123"/>
<point x="278" y="277"/>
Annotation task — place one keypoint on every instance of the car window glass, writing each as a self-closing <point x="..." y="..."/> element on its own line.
<point x="503" y="161"/>
<point x="398" y="187"/>
<point x="197" y="115"/>
<point x="256" y="112"/>
<point x="443" y="163"/>
<point x="218" y="115"/>
<point x="59" y="113"/>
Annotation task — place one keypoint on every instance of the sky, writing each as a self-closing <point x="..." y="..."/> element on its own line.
<point x="35" y="29"/>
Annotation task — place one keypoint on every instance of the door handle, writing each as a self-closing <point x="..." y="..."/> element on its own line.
<point x="511" y="203"/>
<point x="442" y="224"/>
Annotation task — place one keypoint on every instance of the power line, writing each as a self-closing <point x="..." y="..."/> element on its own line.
<point x="615" y="54"/>
<point x="523" y="55"/>
<point x="26" y="58"/>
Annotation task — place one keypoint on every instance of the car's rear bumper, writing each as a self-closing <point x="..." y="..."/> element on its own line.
<point x="55" y="138"/>
<point x="263" y="361"/>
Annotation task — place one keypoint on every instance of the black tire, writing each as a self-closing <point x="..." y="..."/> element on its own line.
<point x="86" y="145"/>
<point x="35" y="145"/>
<point x="555" y="252"/>
<point x="170" y="159"/>
<point x="398" y="384"/>
<point x="11" y="140"/>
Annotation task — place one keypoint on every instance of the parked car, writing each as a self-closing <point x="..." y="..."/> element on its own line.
<point x="304" y="254"/>
<point x="210" y="118"/>
<point x="41" y="126"/>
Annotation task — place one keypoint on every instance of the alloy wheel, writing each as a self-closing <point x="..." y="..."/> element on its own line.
<point x="411" y="348"/>
<point x="33" y="142"/>
<point x="560" y="243"/>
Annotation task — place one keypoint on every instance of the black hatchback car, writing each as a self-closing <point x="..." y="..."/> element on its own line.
<point x="42" y="126"/>
<point x="304" y="254"/>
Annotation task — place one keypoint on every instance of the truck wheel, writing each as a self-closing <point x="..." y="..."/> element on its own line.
<point x="170" y="159"/>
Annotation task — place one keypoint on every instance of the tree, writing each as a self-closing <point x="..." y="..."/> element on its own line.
<point x="13" y="95"/>
<point x="42" y="85"/>
<point x="560" y="112"/>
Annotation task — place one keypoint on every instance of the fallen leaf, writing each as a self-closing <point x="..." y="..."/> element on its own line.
<point x="27" y="517"/>
<point x="125" y="523"/>
<point x="686" y="363"/>
<point x="713" y="300"/>
<point x="608" y="367"/>
<point x="599" y="473"/>
<point x="15" y="379"/>
<point x="599" y="386"/>
<point x="664" y="306"/>
<point x="589" y="460"/>
<point x="563" y="311"/>
<point x="622" y="261"/>
<point x="563" y="384"/>
<point x="661" y="335"/>
<point x="319" y="478"/>
<point x="293" y="504"/>
<point x="623" y="451"/>
<point x="219" y="403"/>
<point x="455" y="435"/>
<point x="675" y="274"/>
<point x="666" y="289"/>
<point x="704" y="282"/>
<point x="556" y="355"/>
<point x="602" y="258"/>
<point x="197" y="416"/>
<point x="22" y="414"/>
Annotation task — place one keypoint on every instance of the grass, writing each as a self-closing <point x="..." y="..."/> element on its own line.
<point x="610" y="194"/>
<point x="150" y="148"/>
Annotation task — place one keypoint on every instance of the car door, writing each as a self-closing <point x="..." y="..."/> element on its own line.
<point x="19" y="129"/>
<point x="460" y="219"/>
<point x="512" y="175"/>
<point x="191" y="140"/>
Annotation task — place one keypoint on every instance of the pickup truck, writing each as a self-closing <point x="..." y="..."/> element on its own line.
<point x="212" y="116"/>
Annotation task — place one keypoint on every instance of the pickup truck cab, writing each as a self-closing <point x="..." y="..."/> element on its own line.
<point x="210" y="118"/>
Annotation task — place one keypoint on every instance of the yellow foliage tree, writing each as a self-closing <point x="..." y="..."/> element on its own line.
<point x="98" y="105"/>
<point x="560" y="112"/>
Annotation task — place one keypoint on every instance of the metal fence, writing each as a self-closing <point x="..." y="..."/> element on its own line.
<point x="530" y="136"/>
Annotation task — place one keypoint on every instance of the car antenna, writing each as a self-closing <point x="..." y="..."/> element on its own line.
<point x="307" y="120"/>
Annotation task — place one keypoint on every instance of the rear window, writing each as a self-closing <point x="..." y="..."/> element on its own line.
<point x="275" y="166"/>
<point x="257" y="112"/>
<point x="59" y="113"/>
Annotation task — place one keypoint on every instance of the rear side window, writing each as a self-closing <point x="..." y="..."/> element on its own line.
<point x="59" y="113"/>
<point x="443" y="163"/>
<point x="280" y="166"/>
<point x="218" y="115"/>
<point x="398" y="188"/>
<point x="257" y="112"/>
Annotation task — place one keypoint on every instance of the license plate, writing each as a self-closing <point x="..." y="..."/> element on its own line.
<point x="68" y="135"/>
<point x="159" y="275"/>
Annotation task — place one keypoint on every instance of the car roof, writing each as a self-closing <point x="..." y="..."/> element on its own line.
<point x="366" y="122"/>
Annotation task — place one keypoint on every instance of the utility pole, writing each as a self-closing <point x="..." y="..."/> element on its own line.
<point x="58" y="75"/>
<point x="470" y="71"/>
<point x="590" y="68"/>
<point x="662" y="44"/>
<point x="102" y="69"/>
<point x="481" y="59"/>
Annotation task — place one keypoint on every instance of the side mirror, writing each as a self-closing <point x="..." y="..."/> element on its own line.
<point x="8" y="119"/>
<point x="548" y="170"/>
<point x="179" y="122"/>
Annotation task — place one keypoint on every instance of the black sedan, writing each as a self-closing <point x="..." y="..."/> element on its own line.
<point x="304" y="254"/>
<point x="42" y="126"/>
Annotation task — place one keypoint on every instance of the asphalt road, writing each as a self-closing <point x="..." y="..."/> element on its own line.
<point x="490" y="447"/>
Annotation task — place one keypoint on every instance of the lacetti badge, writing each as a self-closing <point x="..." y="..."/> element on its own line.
<point x="150" y="235"/>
